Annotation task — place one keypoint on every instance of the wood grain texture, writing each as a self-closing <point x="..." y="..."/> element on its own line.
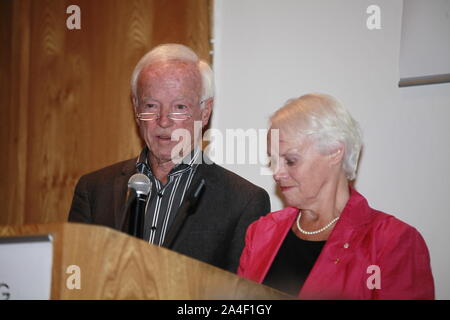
<point x="116" y="266"/>
<point x="65" y="98"/>
<point x="14" y="74"/>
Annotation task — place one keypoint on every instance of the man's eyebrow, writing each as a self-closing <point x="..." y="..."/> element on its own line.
<point x="146" y="99"/>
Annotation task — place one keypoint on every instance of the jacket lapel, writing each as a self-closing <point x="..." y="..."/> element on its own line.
<point x="286" y="219"/>
<point x="276" y="232"/>
<point x="120" y="192"/>
<point x="202" y="172"/>
<point x="328" y="275"/>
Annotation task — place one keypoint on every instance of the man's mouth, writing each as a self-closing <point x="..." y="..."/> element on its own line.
<point x="163" y="137"/>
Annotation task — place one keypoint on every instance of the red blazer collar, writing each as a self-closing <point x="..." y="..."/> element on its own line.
<point x="355" y="214"/>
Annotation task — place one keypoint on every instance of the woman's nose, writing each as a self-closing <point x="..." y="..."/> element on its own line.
<point x="278" y="173"/>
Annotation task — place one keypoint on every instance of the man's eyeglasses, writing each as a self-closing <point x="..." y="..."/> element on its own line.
<point x="151" y="116"/>
<point x="177" y="116"/>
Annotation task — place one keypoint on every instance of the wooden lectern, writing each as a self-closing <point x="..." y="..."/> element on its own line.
<point x="117" y="266"/>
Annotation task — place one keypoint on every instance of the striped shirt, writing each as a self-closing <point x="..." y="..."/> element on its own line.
<point x="164" y="200"/>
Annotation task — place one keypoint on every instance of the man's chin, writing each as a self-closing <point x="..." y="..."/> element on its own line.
<point x="159" y="159"/>
<point x="169" y="153"/>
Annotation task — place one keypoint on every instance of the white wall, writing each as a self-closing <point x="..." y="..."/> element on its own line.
<point x="425" y="44"/>
<point x="268" y="51"/>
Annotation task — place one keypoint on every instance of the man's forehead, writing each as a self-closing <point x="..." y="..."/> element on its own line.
<point x="168" y="68"/>
<point x="171" y="75"/>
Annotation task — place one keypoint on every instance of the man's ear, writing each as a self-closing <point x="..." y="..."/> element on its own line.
<point x="206" y="111"/>
<point x="134" y="102"/>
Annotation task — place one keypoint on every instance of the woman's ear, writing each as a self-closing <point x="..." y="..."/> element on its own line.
<point x="337" y="155"/>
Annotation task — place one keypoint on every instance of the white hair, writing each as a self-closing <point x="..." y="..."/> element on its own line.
<point x="329" y="124"/>
<point x="177" y="52"/>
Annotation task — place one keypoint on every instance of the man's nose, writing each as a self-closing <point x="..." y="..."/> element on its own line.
<point x="164" y="121"/>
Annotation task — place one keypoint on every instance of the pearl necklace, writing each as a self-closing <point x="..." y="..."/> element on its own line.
<point x="317" y="231"/>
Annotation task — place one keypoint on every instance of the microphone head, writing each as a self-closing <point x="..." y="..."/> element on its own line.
<point x="140" y="183"/>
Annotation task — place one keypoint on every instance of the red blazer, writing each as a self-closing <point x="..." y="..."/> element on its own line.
<point x="362" y="241"/>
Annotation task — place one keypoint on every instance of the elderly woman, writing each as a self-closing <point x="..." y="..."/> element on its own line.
<point x="329" y="244"/>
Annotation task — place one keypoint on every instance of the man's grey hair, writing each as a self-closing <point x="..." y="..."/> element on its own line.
<point x="327" y="122"/>
<point x="177" y="52"/>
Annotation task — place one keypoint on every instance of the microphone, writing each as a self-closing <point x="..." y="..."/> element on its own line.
<point x="139" y="187"/>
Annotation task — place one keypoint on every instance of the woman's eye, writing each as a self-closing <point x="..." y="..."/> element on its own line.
<point x="150" y="106"/>
<point x="290" y="162"/>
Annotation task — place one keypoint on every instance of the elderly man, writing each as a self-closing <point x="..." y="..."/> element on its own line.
<point x="172" y="94"/>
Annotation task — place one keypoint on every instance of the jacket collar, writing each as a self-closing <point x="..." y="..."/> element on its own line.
<point x="355" y="214"/>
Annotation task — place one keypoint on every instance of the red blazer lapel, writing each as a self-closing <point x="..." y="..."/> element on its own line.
<point x="328" y="278"/>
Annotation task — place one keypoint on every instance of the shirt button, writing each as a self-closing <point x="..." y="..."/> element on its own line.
<point x="346" y="245"/>
<point x="153" y="228"/>
<point x="336" y="261"/>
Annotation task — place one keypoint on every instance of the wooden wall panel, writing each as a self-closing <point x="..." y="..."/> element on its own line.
<point x="14" y="62"/>
<point x="65" y="97"/>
